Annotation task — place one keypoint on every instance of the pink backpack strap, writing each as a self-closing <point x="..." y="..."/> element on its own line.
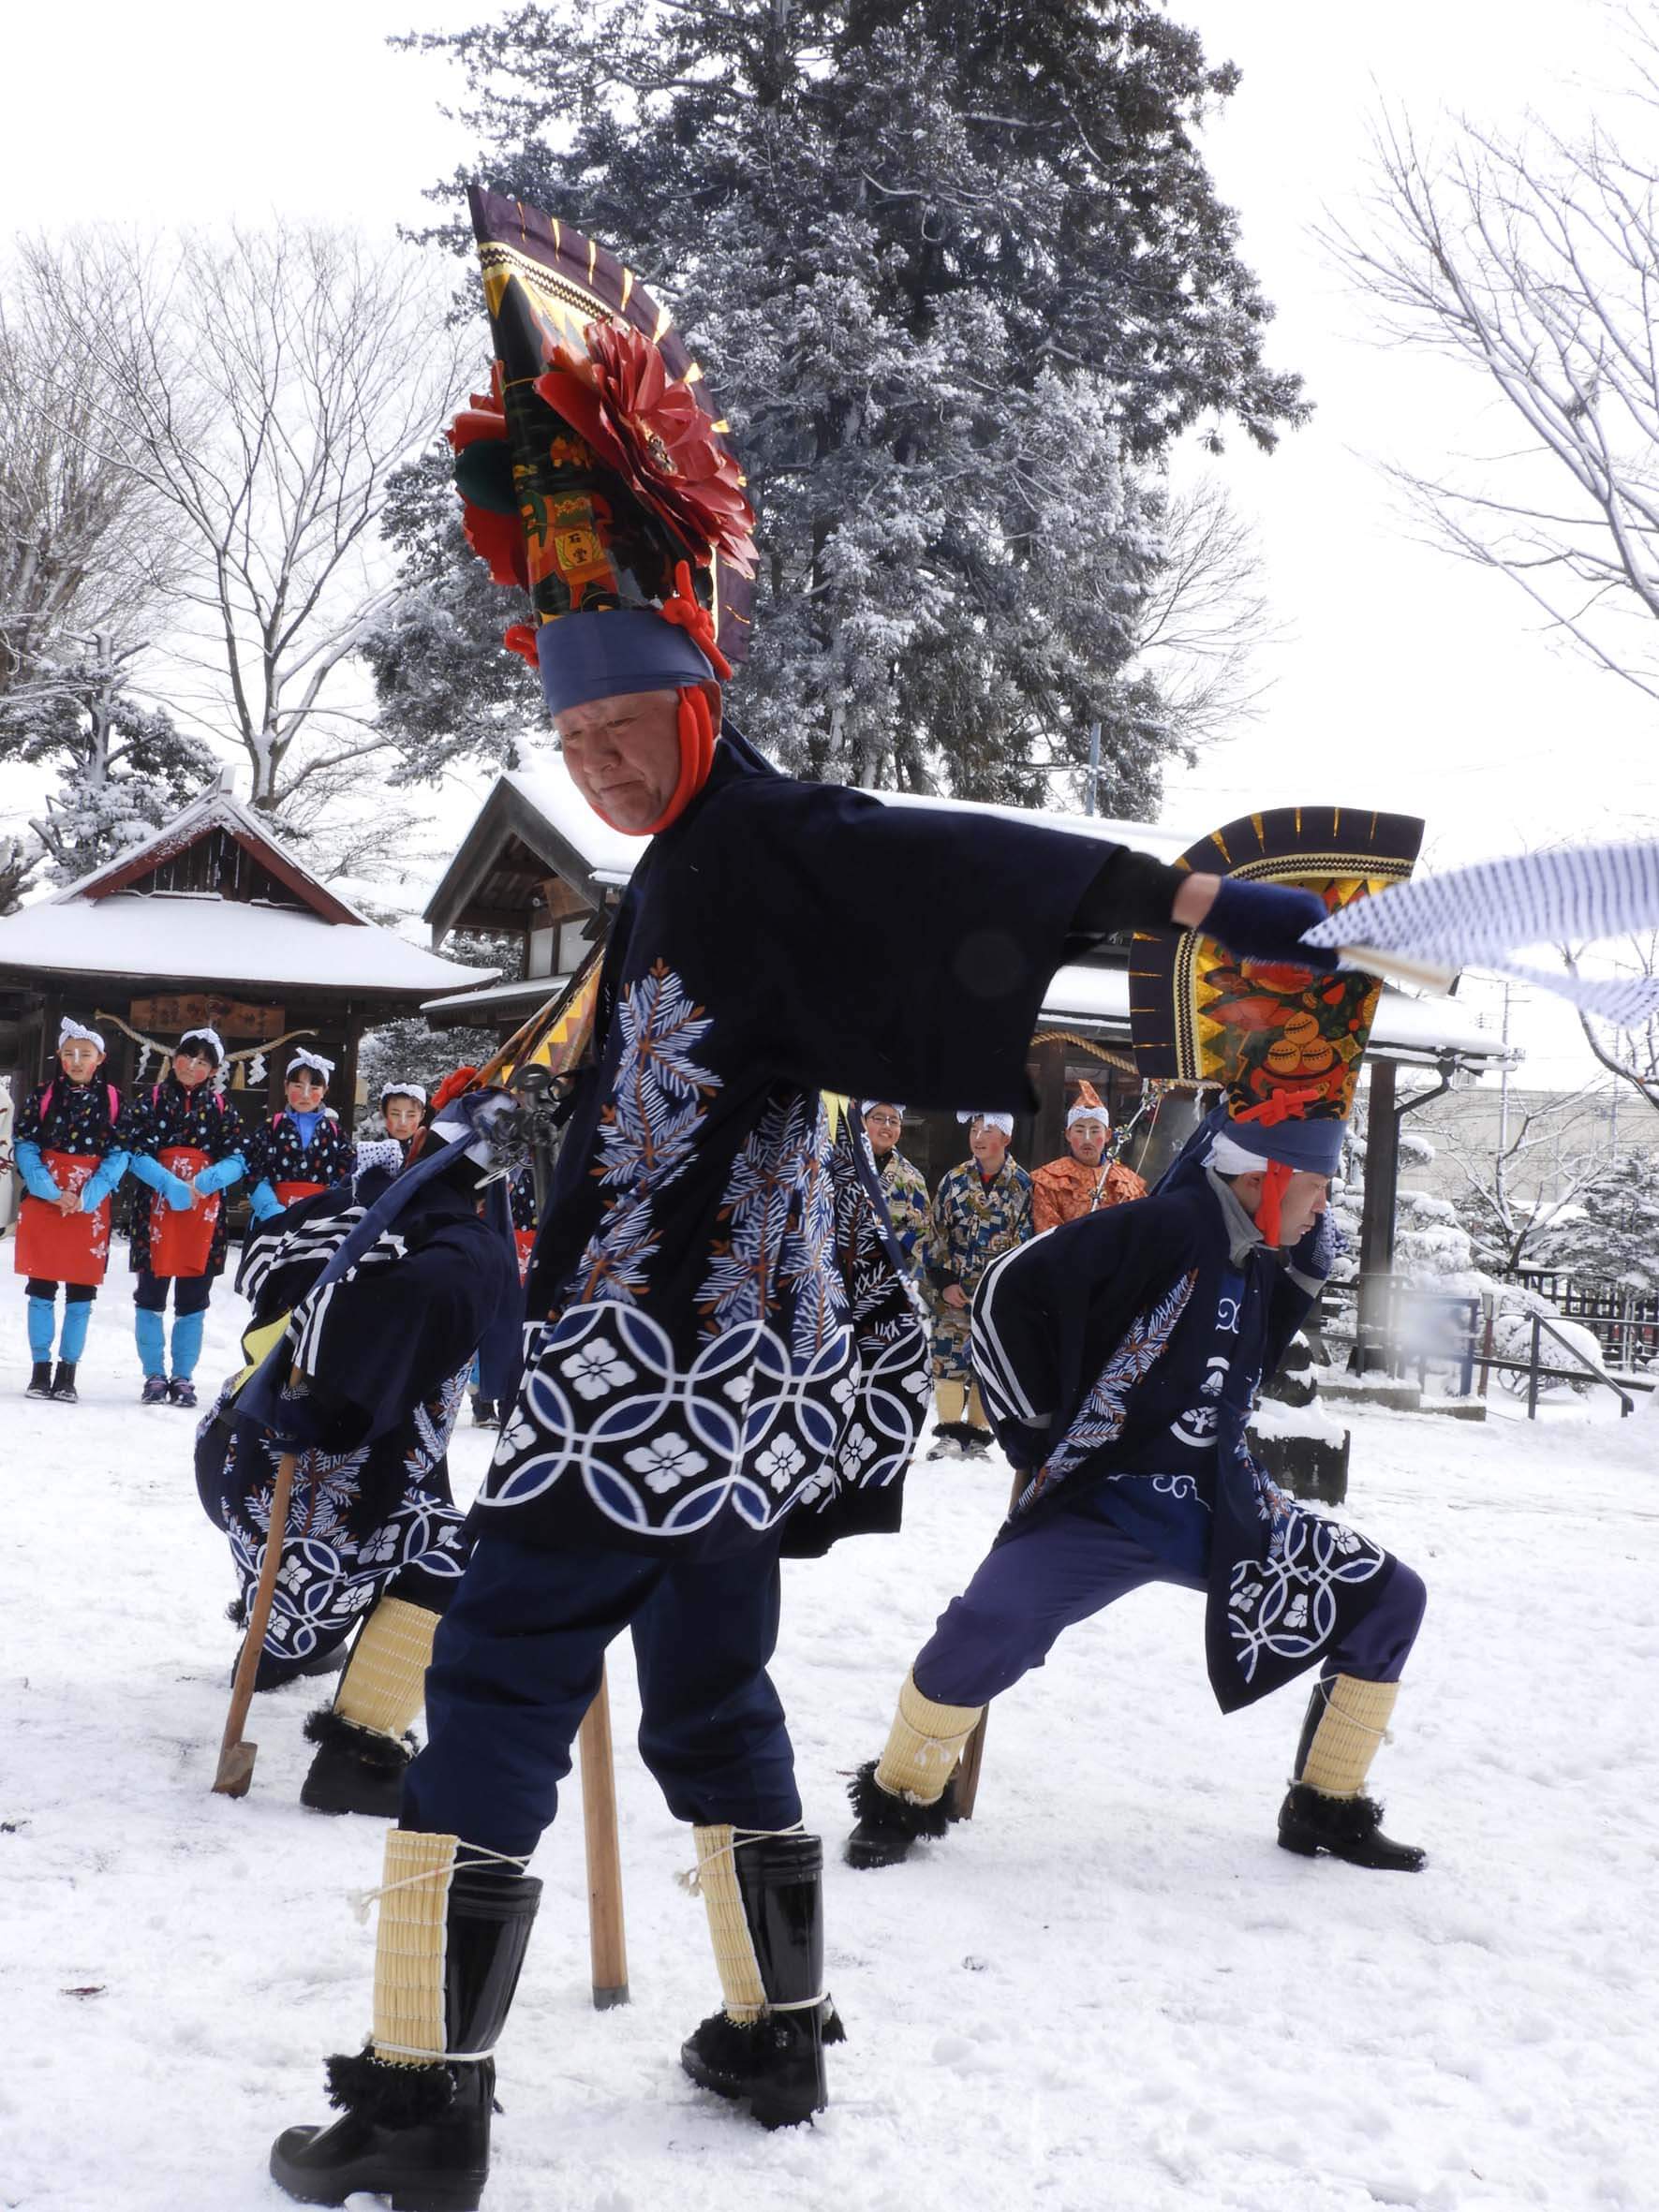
<point x="46" y="1097"/>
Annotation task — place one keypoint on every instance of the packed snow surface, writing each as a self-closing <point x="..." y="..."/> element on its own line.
<point x="1110" y="1990"/>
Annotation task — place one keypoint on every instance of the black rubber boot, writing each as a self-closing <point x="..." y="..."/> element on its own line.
<point x="355" y="1771"/>
<point x="421" y="2134"/>
<point x="889" y="1824"/>
<point x="1348" y="1828"/>
<point x="63" y="1384"/>
<point x="485" y="1413"/>
<point x="774" y="2063"/>
<point x="39" y="1380"/>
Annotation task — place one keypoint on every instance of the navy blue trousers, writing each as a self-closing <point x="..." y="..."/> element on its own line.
<point x="1074" y="1562"/>
<point x="190" y="1292"/>
<point x="516" y="1663"/>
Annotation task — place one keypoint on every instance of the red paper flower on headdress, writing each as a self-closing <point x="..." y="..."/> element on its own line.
<point x="496" y="538"/>
<point x="651" y="431"/>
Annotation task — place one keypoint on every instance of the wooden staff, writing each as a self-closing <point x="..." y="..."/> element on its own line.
<point x="236" y="1758"/>
<point x="607" y="1938"/>
<point x="973" y="1751"/>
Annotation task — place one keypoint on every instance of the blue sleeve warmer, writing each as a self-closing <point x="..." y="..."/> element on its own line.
<point x="32" y="1168"/>
<point x="264" y="1201"/>
<point x="223" y="1172"/>
<point x="98" y="1187"/>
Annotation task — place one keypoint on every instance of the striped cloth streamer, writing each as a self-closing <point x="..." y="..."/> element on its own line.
<point x="1481" y="916"/>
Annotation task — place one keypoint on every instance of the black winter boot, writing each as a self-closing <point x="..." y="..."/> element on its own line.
<point x="63" y="1384"/>
<point x="421" y="2134"/>
<point x="355" y="1771"/>
<point x="39" y="1380"/>
<point x="777" y="2062"/>
<point x="1348" y="1828"/>
<point x="889" y="1824"/>
<point x="950" y="1440"/>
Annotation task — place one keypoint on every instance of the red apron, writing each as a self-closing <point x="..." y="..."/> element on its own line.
<point x="289" y="1194"/>
<point x="56" y="1248"/>
<point x="526" y="1241"/>
<point x="182" y="1243"/>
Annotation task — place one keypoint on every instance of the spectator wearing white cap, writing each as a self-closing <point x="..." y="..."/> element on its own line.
<point x="981" y="1210"/>
<point x="1083" y="1180"/>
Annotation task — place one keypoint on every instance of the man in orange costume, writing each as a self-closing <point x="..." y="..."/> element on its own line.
<point x="1084" y="1180"/>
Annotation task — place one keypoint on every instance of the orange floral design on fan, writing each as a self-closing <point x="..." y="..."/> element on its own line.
<point x="649" y="429"/>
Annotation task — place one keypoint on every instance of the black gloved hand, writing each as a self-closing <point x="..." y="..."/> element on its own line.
<point x="1266" y="921"/>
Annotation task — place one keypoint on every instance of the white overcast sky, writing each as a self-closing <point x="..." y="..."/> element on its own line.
<point x="1403" y="679"/>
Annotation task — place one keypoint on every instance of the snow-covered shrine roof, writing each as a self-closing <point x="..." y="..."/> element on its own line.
<point x="1406" y="1028"/>
<point x="99" y="925"/>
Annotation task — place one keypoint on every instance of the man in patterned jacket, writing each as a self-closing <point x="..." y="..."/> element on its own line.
<point x="1120" y="1357"/>
<point x="703" y="1389"/>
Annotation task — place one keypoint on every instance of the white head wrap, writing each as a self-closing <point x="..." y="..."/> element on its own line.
<point x="209" y="1036"/>
<point x="1083" y="1112"/>
<point x="1229" y="1158"/>
<point x="868" y="1106"/>
<point x="402" y="1090"/>
<point x="992" y="1121"/>
<point x="304" y="1059"/>
<point x="66" y="1030"/>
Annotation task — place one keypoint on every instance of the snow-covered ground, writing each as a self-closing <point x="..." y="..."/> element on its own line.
<point x="1110" y="1990"/>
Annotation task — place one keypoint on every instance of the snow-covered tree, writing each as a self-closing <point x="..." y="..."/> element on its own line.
<point x="263" y="387"/>
<point x="121" y="767"/>
<point x="19" y="860"/>
<point x="958" y="274"/>
<point x="84" y="543"/>
<point x="1531" y="259"/>
<point x="1512" y="1191"/>
<point x="1612" y="1233"/>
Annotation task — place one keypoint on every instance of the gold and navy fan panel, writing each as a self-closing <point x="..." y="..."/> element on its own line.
<point x="1199" y="1015"/>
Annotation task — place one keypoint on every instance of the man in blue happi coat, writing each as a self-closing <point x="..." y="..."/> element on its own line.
<point x="1120" y="1357"/>
<point x="704" y="1389"/>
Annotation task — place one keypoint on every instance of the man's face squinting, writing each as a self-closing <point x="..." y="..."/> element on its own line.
<point x="1088" y="1141"/>
<point x="624" y="755"/>
<point x="1305" y="1196"/>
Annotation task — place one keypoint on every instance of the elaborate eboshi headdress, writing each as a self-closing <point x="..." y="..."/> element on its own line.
<point x="1283" y="1044"/>
<point x="597" y="474"/>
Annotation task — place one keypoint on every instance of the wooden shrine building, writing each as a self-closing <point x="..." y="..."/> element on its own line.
<point x="210" y="919"/>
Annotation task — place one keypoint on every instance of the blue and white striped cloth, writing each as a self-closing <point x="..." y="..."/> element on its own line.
<point x="1481" y="916"/>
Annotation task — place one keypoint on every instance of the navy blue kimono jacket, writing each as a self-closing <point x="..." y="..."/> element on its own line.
<point x="1122" y="1354"/>
<point x="387" y="1359"/>
<point x="695" y="1369"/>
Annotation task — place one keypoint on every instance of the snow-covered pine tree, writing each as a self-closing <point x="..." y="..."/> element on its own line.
<point x="1612" y="1233"/>
<point x="959" y="276"/>
<point x="121" y="767"/>
<point x="18" y="860"/>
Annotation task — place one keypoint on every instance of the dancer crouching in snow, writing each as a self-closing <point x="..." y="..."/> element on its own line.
<point x="184" y="1143"/>
<point x="69" y="1157"/>
<point x="699" y="1393"/>
<point x="1120" y="1357"/>
<point x="372" y="1528"/>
